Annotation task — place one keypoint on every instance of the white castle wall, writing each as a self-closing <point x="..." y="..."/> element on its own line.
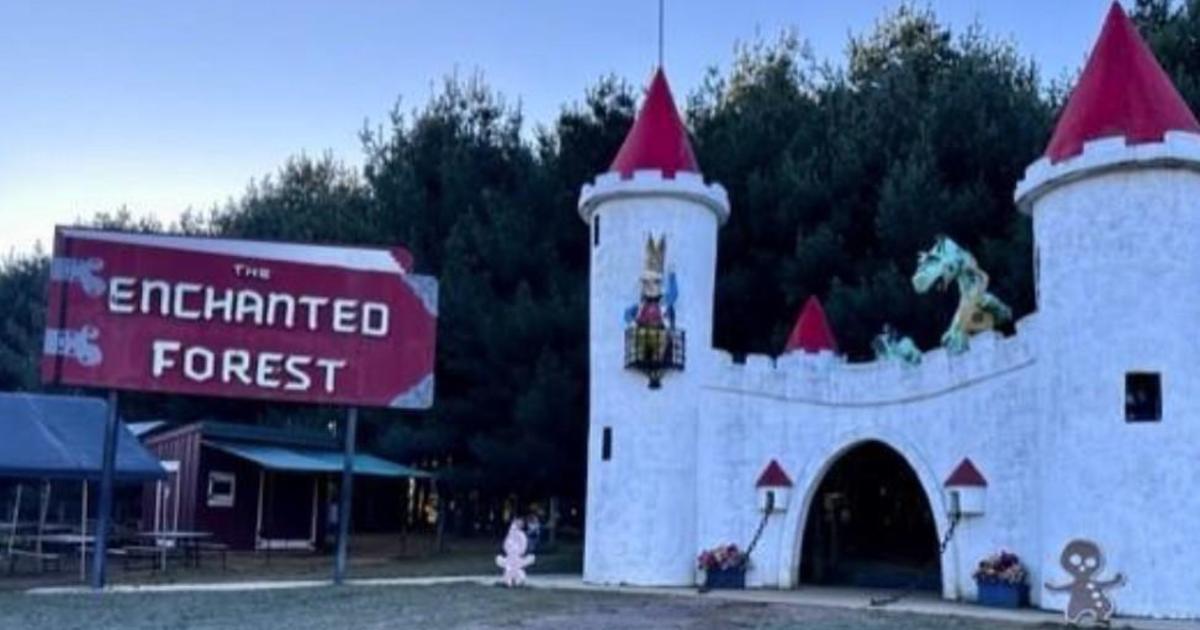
<point x="1041" y="413"/>
<point x="1118" y="235"/>
<point x="807" y="410"/>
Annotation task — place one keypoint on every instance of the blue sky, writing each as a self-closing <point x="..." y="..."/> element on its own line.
<point x="164" y="105"/>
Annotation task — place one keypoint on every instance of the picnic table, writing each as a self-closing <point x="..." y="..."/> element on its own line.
<point x="23" y="540"/>
<point x="23" y="527"/>
<point x="68" y="540"/>
<point x="162" y="541"/>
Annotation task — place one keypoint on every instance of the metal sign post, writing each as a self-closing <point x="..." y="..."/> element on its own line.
<point x="100" y="560"/>
<point x="344" y="497"/>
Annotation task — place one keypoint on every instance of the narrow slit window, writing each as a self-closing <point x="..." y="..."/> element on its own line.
<point x="1143" y="397"/>
<point x="596" y="231"/>
<point x="606" y="444"/>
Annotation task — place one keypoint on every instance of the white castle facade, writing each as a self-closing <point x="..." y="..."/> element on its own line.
<point x="1029" y="441"/>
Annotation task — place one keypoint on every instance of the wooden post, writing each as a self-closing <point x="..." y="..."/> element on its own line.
<point x="344" y="499"/>
<point x="316" y="510"/>
<point x="43" y="509"/>
<point x="100" y="561"/>
<point x="552" y="522"/>
<point x="83" y="534"/>
<point x="12" y="533"/>
<point x="261" y="542"/>
<point x="442" y="513"/>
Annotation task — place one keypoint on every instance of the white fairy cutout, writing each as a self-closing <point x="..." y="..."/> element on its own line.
<point x="515" y="559"/>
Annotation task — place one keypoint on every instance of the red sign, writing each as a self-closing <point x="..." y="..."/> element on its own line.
<point x="245" y="319"/>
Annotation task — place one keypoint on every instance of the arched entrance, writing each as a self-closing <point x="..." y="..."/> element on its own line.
<point x="870" y="525"/>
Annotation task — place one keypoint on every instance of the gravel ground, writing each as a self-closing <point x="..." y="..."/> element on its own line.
<point x="447" y="606"/>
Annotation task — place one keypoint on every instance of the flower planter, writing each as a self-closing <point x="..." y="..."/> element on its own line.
<point x="1003" y="594"/>
<point x="725" y="578"/>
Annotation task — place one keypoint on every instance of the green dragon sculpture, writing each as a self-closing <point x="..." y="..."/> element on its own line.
<point x="890" y="346"/>
<point x="978" y="310"/>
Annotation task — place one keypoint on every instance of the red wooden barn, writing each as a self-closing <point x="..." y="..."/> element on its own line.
<point x="258" y="487"/>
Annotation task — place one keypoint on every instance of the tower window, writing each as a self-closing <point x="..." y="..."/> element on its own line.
<point x="606" y="444"/>
<point x="1143" y="397"/>
<point x="1037" y="275"/>
<point x="596" y="231"/>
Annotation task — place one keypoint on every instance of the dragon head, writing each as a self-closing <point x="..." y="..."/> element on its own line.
<point x="940" y="265"/>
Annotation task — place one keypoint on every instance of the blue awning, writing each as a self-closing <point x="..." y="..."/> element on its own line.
<point x="62" y="437"/>
<point x="295" y="459"/>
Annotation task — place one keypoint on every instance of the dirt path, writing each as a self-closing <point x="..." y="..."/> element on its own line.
<point x="447" y="606"/>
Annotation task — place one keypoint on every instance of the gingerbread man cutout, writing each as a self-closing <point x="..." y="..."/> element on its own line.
<point x="1084" y="560"/>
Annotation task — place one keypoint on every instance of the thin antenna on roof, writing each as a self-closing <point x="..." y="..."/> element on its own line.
<point x="660" y="32"/>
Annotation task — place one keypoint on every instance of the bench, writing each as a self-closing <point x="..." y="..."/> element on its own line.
<point x="213" y="548"/>
<point x="43" y="559"/>
<point x="157" y="556"/>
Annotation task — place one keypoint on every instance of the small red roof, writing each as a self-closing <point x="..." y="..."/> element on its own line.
<point x="811" y="332"/>
<point x="658" y="140"/>
<point x="773" y="476"/>
<point x="966" y="475"/>
<point x="1122" y="92"/>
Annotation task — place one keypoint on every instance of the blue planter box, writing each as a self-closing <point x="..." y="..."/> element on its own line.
<point x="725" y="578"/>
<point x="1003" y="595"/>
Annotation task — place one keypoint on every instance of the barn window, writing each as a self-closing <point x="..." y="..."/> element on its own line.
<point x="1143" y="397"/>
<point x="606" y="444"/>
<point x="220" y="489"/>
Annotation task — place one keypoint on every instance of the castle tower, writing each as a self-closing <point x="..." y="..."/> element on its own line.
<point x="1115" y="204"/>
<point x="653" y="224"/>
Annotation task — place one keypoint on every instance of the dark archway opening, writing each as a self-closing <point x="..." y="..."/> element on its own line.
<point x="869" y="525"/>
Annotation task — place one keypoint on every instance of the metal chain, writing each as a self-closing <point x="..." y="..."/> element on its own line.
<point x="945" y="542"/>
<point x="758" y="533"/>
<point x="954" y="521"/>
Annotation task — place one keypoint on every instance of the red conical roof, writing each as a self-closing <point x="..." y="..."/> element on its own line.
<point x="966" y="475"/>
<point x="1122" y="92"/>
<point x="658" y="140"/>
<point x="773" y="476"/>
<point x="811" y="332"/>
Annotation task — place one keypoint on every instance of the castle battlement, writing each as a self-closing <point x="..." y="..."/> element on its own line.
<point x="1178" y="149"/>
<point x="649" y="183"/>
<point x="827" y="379"/>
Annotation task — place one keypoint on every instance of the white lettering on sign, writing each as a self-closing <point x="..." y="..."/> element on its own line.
<point x="249" y="271"/>
<point x="182" y="290"/>
<point x="277" y="302"/>
<point x="198" y="363"/>
<point x="236" y="362"/>
<point x="149" y="288"/>
<point x="331" y="367"/>
<point x="160" y="361"/>
<point x="344" y="314"/>
<point x="274" y="370"/>
<point x="299" y="379"/>
<point x="120" y="294"/>
<point x="313" y="304"/>
<point x="249" y="307"/>
<point x="263" y="370"/>
<point x="375" y="319"/>
<point x="191" y="301"/>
